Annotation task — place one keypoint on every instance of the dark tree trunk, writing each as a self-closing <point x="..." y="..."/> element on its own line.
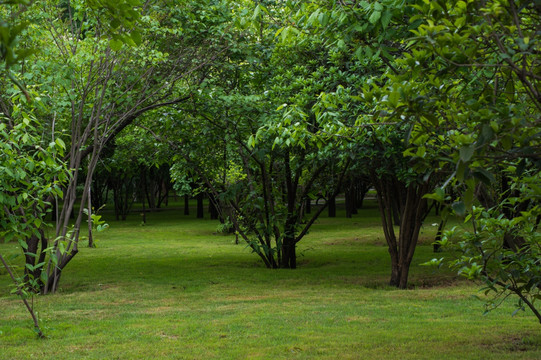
<point x="349" y="196"/>
<point x="289" y="256"/>
<point x="308" y="206"/>
<point x="99" y="189"/>
<point x="213" y="209"/>
<point x="162" y="185"/>
<point x="353" y="199"/>
<point x="200" y="208"/>
<point x="150" y="191"/>
<point x="413" y="209"/>
<point x="363" y="187"/>
<point x="35" y="255"/>
<point x="332" y="207"/>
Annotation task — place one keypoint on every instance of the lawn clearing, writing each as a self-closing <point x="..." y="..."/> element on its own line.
<point x="174" y="289"/>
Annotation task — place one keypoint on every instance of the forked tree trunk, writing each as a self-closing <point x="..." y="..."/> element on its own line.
<point x="289" y="255"/>
<point x="413" y="211"/>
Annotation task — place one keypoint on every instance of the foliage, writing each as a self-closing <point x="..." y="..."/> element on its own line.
<point x="32" y="174"/>
<point x="472" y="85"/>
<point x="102" y="64"/>
<point x="505" y="271"/>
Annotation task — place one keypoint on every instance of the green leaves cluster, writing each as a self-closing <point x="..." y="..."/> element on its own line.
<point x="32" y="174"/>
<point x="470" y="79"/>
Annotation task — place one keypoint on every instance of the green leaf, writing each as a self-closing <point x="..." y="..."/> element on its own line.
<point x="486" y="136"/>
<point x="376" y="15"/>
<point x="257" y="11"/>
<point x="23" y="244"/>
<point x="60" y="143"/>
<point x="459" y="208"/>
<point x="61" y="248"/>
<point x="466" y="152"/>
<point x="484" y="176"/>
<point x="115" y="23"/>
<point x="136" y="37"/>
<point x="386" y="18"/>
<point x="437" y="195"/>
<point x="115" y="44"/>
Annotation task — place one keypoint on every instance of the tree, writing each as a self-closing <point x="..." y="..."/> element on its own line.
<point x="370" y="37"/>
<point x="32" y="171"/>
<point x="259" y="165"/>
<point x="472" y="86"/>
<point x="95" y="81"/>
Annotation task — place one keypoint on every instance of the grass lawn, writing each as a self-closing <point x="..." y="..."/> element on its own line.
<point x="174" y="289"/>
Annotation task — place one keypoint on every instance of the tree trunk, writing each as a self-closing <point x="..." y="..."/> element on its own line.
<point x="123" y="194"/>
<point x="90" y="238"/>
<point x="200" y="208"/>
<point x="35" y="255"/>
<point x="350" y="202"/>
<point x="362" y="189"/>
<point x="144" y="210"/>
<point x="332" y="207"/>
<point x="213" y="209"/>
<point x="289" y="256"/>
<point x="23" y="298"/>
<point x="413" y="209"/>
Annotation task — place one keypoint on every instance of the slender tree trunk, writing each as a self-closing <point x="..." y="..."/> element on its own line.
<point x="289" y="256"/>
<point x="350" y="201"/>
<point x="21" y="295"/>
<point x="213" y="209"/>
<point x="353" y="198"/>
<point x="90" y="238"/>
<point x="200" y="208"/>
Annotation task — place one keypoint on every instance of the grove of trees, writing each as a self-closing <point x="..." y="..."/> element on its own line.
<point x="264" y="107"/>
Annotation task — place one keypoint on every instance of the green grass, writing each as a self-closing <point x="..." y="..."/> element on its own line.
<point x="173" y="289"/>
